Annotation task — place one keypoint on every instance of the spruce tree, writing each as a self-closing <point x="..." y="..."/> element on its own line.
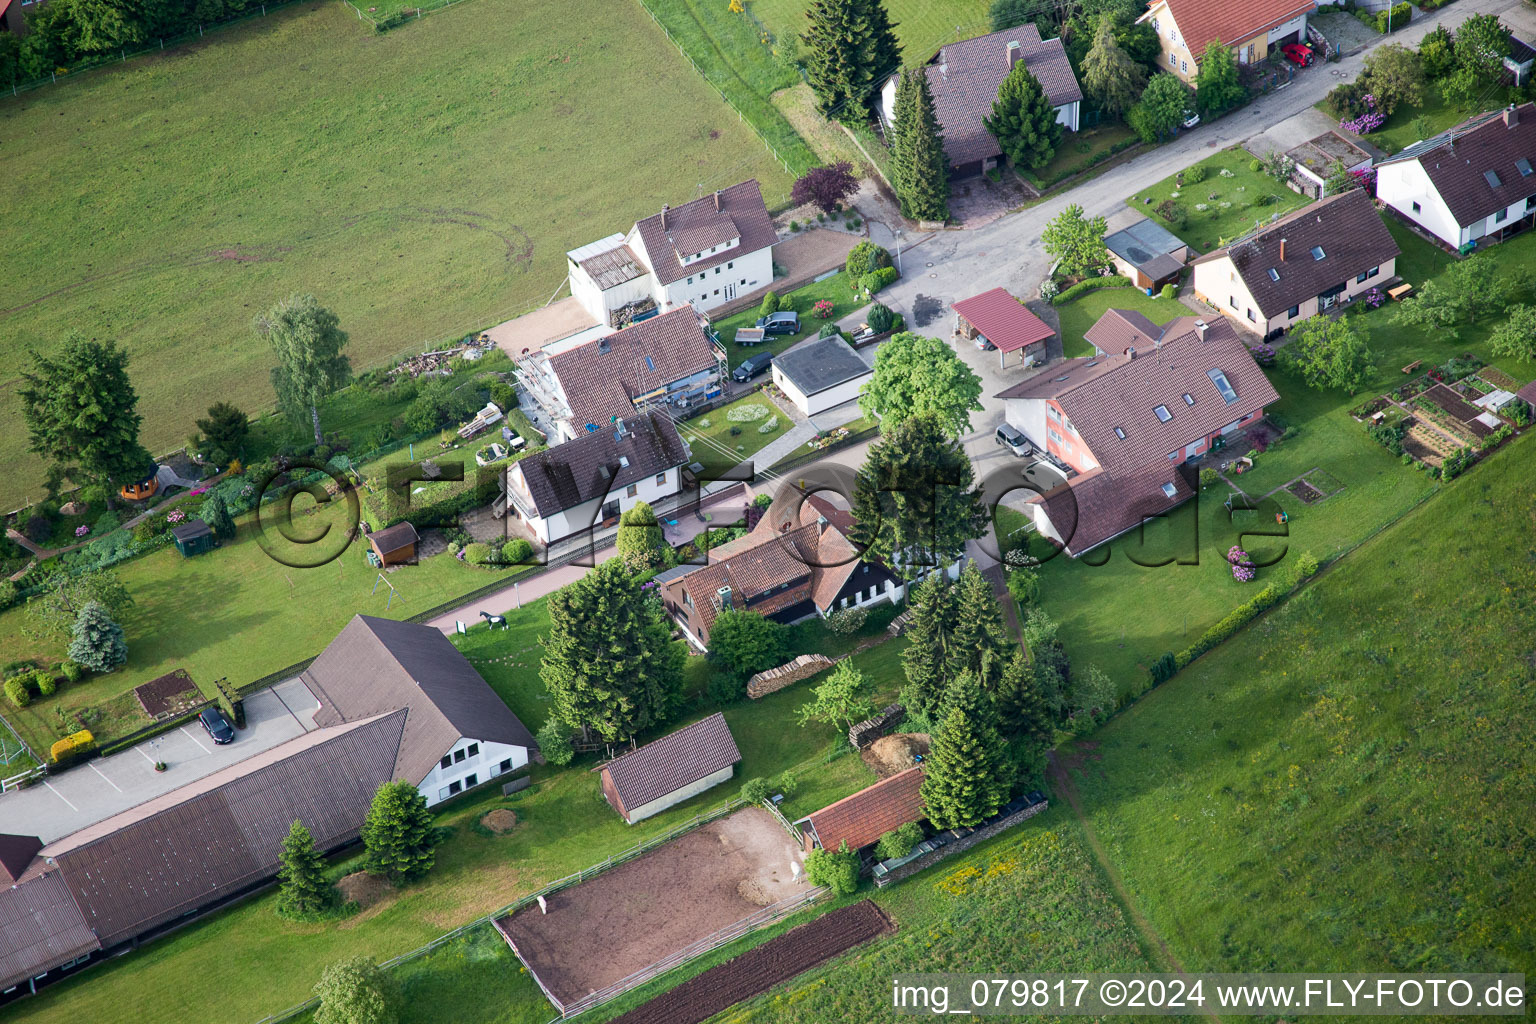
<point x="98" y="642"/>
<point x="1110" y="77"/>
<point x="398" y="834"/>
<point x="980" y="644"/>
<point x="967" y="773"/>
<point x="964" y="693"/>
<point x="1023" y="120"/>
<point x="927" y="654"/>
<point x="1021" y="706"/>
<point x="850" y="50"/>
<point x="919" y="163"/>
<point x="303" y="888"/>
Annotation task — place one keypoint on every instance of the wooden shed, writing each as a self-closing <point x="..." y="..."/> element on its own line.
<point x="395" y="544"/>
<point x="668" y="771"/>
<point x="193" y="538"/>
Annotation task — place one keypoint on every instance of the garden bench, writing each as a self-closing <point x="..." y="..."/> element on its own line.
<point x="1413" y="366"/>
<point x="1399" y="293"/>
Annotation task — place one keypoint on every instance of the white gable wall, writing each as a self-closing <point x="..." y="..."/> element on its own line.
<point x="650" y="489"/>
<point x="717" y="285"/>
<point x="1402" y="184"/>
<point x="469" y="763"/>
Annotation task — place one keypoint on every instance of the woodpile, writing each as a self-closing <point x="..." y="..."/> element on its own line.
<point x="774" y="679"/>
<point x="872" y="729"/>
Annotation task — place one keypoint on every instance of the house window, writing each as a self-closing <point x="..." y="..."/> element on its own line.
<point x="1274" y="275"/>
<point x="1053" y="435"/>
<point x="1501" y="216"/>
<point x="446" y="762"/>
<point x="1051" y="411"/>
<point x="632" y="490"/>
<point x="1189" y="399"/>
<point x="1173" y="61"/>
<point x="472" y="780"/>
<point x="1373" y="272"/>
<point x="690" y="280"/>
<point x="661" y="479"/>
<point x="458" y="755"/>
<point x="1251" y="317"/>
<point x="442" y="794"/>
<point x="717" y="270"/>
<point x="455" y="787"/>
<point x="1173" y="456"/>
<point x="717" y="291"/>
<point x="1293" y="312"/>
<point x="1232" y="301"/>
<point x="1416" y="207"/>
<point x="473" y="748"/>
<point x="1154" y="26"/>
<point x="1162" y="413"/>
<point x="687" y="599"/>
<point x="1184" y="65"/>
<point x="1068" y="424"/>
<point x="1317" y="252"/>
<point x="729" y="265"/>
<point x="743" y="280"/>
<point x="505" y="766"/>
<point x="1228" y="394"/>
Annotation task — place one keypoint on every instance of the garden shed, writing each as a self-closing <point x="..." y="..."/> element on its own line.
<point x="394" y="545"/>
<point x="193" y="538"/>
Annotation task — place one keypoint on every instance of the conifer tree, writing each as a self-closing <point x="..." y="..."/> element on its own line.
<point x="963" y="692"/>
<point x="919" y="163"/>
<point x="980" y="643"/>
<point x="850" y="49"/>
<point x="398" y="834"/>
<point x="1023" y="120"/>
<point x="1021" y="706"/>
<point x="1110" y="76"/>
<point x="303" y="888"/>
<point x="98" y="642"/>
<point x="927" y="655"/>
<point x="215" y="512"/>
<point x="967" y="773"/>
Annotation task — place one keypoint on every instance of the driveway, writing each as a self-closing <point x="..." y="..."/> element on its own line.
<point x="98" y="789"/>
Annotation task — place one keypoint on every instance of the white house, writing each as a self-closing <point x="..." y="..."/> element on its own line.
<point x="705" y="253"/>
<point x="582" y="384"/>
<point x="1470" y="185"/>
<point x="820" y="374"/>
<point x="458" y="732"/>
<point x="563" y="491"/>
<point x="1301" y="265"/>
<point x="964" y="78"/>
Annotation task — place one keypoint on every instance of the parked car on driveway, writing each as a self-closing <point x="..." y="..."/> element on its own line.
<point x="1191" y="119"/>
<point x="1299" y="54"/>
<point x="216" y="725"/>
<point x="752" y="366"/>
<point x="781" y="323"/>
<point x="1014" y="440"/>
<point x="983" y="344"/>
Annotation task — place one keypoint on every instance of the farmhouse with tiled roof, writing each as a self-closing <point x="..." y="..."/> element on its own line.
<point x="1250" y="28"/>
<point x="865" y="816"/>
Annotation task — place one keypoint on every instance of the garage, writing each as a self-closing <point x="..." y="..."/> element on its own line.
<point x="821" y="374"/>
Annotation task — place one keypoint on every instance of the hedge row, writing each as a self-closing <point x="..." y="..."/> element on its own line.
<point x="72" y="748"/>
<point x="1246" y="612"/>
<point x="1091" y="285"/>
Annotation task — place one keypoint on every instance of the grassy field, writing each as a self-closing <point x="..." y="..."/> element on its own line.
<point x="1232" y="203"/>
<point x="711" y="434"/>
<point x="922" y="26"/>
<point x="1083" y="312"/>
<point x="234" y="612"/>
<point x="1343" y="785"/>
<point x="422" y="182"/>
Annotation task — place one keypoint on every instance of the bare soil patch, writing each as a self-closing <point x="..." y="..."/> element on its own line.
<point x="631" y="916"/>
<point x="500" y="821"/>
<point x="757" y="970"/>
<point x="895" y="753"/>
<point x="363" y="889"/>
<point x="170" y="694"/>
<point x="1305" y="491"/>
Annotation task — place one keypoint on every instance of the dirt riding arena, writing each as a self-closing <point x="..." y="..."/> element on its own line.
<point x="633" y="915"/>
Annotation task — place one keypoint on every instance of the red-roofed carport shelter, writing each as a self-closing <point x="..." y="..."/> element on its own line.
<point x="1004" y="321"/>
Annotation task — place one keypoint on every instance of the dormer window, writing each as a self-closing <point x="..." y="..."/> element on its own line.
<point x="1317" y="252"/>
<point x="1162" y="413"/>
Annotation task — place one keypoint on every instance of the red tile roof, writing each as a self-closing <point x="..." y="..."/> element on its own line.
<point x="677" y="759"/>
<point x="1003" y="320"/>
<point x="1230" y="21"/>
<point x="870" y="813"/>
<point x="1459" y="160"/>
<point x="1120" y="329"/>
<point x="694" y="227"/>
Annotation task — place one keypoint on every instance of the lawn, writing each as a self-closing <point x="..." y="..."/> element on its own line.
<point x="723" y="437"/>
<point x="235" y="613"/>
<point x="1084" y="311"/>
<point x="1081" y="151"/>
<point x="374" y="170"/>
<point x="1399" y="132"/>
<point x="922" y="26"/>
<point x="834" y="289"/>
<point x="1235" y="198"/>
<point x="1345" y="785"/>
<point x="854" y="427"/>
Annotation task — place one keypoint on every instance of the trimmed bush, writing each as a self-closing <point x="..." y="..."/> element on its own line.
<point x="847" y="621"/>
<point x="477" y="553"/>
<point x="17" y="692"/>
<point x="1163" y="668"/>
<point x="880" y="318"/>
<point x="47" y="685"/>
<point x="899" y="841"/>
<point x="1194" y="175"/>
<point x="865" y="258"/>
<point x="877" y="279"/>
<point x="1093" y="284"/>
<point x="769" y="305"/>
<point x="1234" y="620"/>
<point x="1170" y="290"/>
<point x="516" y="551"/>
<point x="72" y="747"/>
<point x="756" y="791"/>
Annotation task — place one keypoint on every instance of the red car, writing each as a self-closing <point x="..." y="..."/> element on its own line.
<point x="1298" y="54"/>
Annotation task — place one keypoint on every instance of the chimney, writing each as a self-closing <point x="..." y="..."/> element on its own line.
<point x="1013" y="53"/>
<point x="1282" y="250"/>
<point x="717" y="200"/>
<point x="1131" y="352"/>
<point x="1511" y="116"/>
<point x="664" y="209"/>
<point x="1201" y="326"/>
<point x="602" y="345"/>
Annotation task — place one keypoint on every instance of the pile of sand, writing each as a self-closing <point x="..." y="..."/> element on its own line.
<point x="895" y="753"/>
<point x="500" y="821"/>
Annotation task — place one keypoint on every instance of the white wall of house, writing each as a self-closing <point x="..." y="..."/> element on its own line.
<point x="677" y="796"/>
<point x="821" y="401"/>
<point x="1511" y="214"/>
<point x="1067" y="114"/>
<point x="1217" y="282"/>
<point x="888" y="592"/>
<point x="468" y="763"/>
<point x="1405" y="186"/>
<point x="717" y="285"/>
<point x="650" y="489"/>
<point x="1296" y="25"/>
<point x="600" y="302"/>
<point x="1027" y="415"/>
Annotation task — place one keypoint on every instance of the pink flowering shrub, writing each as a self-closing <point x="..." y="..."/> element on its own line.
<point x="1242" y="565"/>
<point x="822" y="310"/>
<point x="174" y="516"/>
<point x="1368" y="121"/>
<point x="82" y="530"/>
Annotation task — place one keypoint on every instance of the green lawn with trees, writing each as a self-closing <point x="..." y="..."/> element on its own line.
<point x="1232" y="194"/>
<point x="387" y="193"/>
<point x="1081" y="313"/>
<point x="1353" y="762"/>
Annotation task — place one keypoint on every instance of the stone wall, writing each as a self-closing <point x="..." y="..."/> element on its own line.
<point x="981" y="835"/>
<point x="774" y="679"/>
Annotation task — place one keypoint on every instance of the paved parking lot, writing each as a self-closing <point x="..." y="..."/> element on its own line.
<point x="98" y="789"/>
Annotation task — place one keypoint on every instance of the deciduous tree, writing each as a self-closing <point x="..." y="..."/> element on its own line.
<point x="1515" y="338"/>
<point x="1161" y="108"/>
<point x="1093" y="692"/>
<point x="303" y="888"/>
<point x="1395" y="76"/>
<point x="398" y="834"/>
<point x="51" y="613"/>
<point x="307" y="339"/>
<point x="825" y="187"/>
<point x="1023" y="120"/>
<point x="915" y="376"/>
<point x="80" y="409"/>
<point x="967" y="774"/>
<point x="1217" y="86"/>
<point x="918" y="161"/>
<point x="838" y="869"/>
<point x="98" y="642"/>
<point x="1076" y="241"/>
<point x="850" y="50"/>
<point x="1053" y="670"/>
<point x="1468" y="290"/>
<point x="215" y="512"/>
<point x="842" y="699"/>
<point x="745" y="642"/>
<point x="1330" y="352"/>
<point x="1110" y="77"/>
<point x="355" y="991"/>
<point x="609" y="660"/>
<point x="915" y="504"/>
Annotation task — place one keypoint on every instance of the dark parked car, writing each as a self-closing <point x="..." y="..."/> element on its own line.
<point x="217" y="725"/>
<point x="1014" y="440"/>
<point x="752" y="366"/>
<point x="781" y="323"/>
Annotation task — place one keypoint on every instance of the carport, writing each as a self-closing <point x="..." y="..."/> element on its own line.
<point x="1003" y="321"/>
